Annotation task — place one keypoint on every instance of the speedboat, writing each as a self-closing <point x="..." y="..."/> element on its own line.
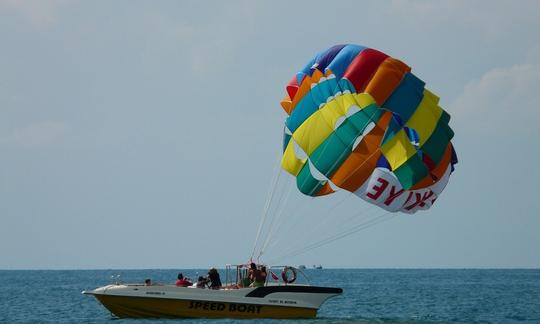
<point x="272" y="300"/>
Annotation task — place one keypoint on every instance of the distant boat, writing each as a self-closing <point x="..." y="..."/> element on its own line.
<point x="302" y="267"/>
<point x="317" y="266"/>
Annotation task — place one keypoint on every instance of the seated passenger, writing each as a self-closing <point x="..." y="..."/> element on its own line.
<point x="201" y="282"/>
<point x="182" y="281"/>
<point x="244" y="282"/>
<point x="148" y="282"/>
<point x="256" y="276"/>
<point x="213" y="277"/>
<point x="264" y="274"/>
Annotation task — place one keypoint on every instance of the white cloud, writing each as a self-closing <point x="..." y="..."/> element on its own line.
<point x="503" y="98"/>
<point x="38" y="134"/>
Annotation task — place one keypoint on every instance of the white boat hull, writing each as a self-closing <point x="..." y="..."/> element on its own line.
<point x="279" y="301"/>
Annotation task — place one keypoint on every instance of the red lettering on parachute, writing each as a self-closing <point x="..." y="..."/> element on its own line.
<point x="420" y="200"/>
<point x="408" y="198"/>
<point x="378" y="189"/>
<point x="393" y="195"/>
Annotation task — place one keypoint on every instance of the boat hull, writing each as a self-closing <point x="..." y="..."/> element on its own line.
<point x="145" y="307"/>
<point x="165" y="301"/>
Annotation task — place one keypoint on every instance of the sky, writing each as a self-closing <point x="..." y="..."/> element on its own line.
<point x="146" y="134"/>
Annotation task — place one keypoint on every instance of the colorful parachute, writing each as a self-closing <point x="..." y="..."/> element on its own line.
<point x="359" y="120"/>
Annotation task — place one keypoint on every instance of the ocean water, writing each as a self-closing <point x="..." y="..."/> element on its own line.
<point x="380" y="296"/>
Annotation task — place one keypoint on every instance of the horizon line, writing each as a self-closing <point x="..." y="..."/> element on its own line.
<point x="308" y="268"/>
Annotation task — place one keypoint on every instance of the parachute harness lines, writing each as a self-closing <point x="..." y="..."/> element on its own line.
<point x="277" y="174"/>
<point x="280" y="207"/>
<point x="307" y="247"/>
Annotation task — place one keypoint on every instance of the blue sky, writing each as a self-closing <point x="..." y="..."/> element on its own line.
<point x="141" y="134"/>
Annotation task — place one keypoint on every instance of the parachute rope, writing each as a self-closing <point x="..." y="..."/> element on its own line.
<point x="313" y="232"/>
<point x="269" y="235"/>
<point x="273" y="215"/>
<point x="293" y="221"/>
<point x="271" y="190"/>
<point x="279" y="218"/>
<point x="377" y="220"/>
<point x="314" y="220"/>
<point x="328" y="219"/>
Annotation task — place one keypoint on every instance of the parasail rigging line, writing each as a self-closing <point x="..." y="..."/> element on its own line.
<point x="344" y="198"/>
<point x="268" y="236"/>
<point x="271" y="190"/>
<point x="363" y="216"/>
<point x="320" y="220"/>
<point x="267" y="207"/>
<point x="282" y="202"/>
<point x="294" y="219"/>
<point x="281" y="217"/>
<point x="328" y="240"/>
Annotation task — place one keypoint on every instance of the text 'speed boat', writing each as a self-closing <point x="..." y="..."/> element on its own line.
<point x="272" y="300"/>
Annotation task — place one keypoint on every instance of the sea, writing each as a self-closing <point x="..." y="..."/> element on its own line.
<point x="370" y="295"/>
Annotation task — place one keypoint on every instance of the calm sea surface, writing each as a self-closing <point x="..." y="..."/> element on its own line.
<point x="497" y="296"/>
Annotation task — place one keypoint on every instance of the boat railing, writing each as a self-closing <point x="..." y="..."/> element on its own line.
<point x="236" y="275"/>
<point x="295" y="270"/>
<point x="116" y="280"/>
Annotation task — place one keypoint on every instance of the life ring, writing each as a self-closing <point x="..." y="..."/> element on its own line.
<point x="285" y="276"/>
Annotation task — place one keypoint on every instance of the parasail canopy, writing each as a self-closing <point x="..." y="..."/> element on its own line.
<point x="359" y="120"/>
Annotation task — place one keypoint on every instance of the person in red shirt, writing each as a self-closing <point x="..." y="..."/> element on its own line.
<point x="182" y="282"/>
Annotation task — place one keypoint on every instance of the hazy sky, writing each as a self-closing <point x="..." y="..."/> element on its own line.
<point x="144" y="134"/>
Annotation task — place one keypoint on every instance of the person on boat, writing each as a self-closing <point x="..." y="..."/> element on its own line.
<point x="244" y="282"/>
<point x="213" y="277"/>
<point x="256" y="276"/>
<point x="183" y="281"/>
<point x="148" y="282"/>
<point x="201" y="282"/>
<point x="264" y="274"/>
